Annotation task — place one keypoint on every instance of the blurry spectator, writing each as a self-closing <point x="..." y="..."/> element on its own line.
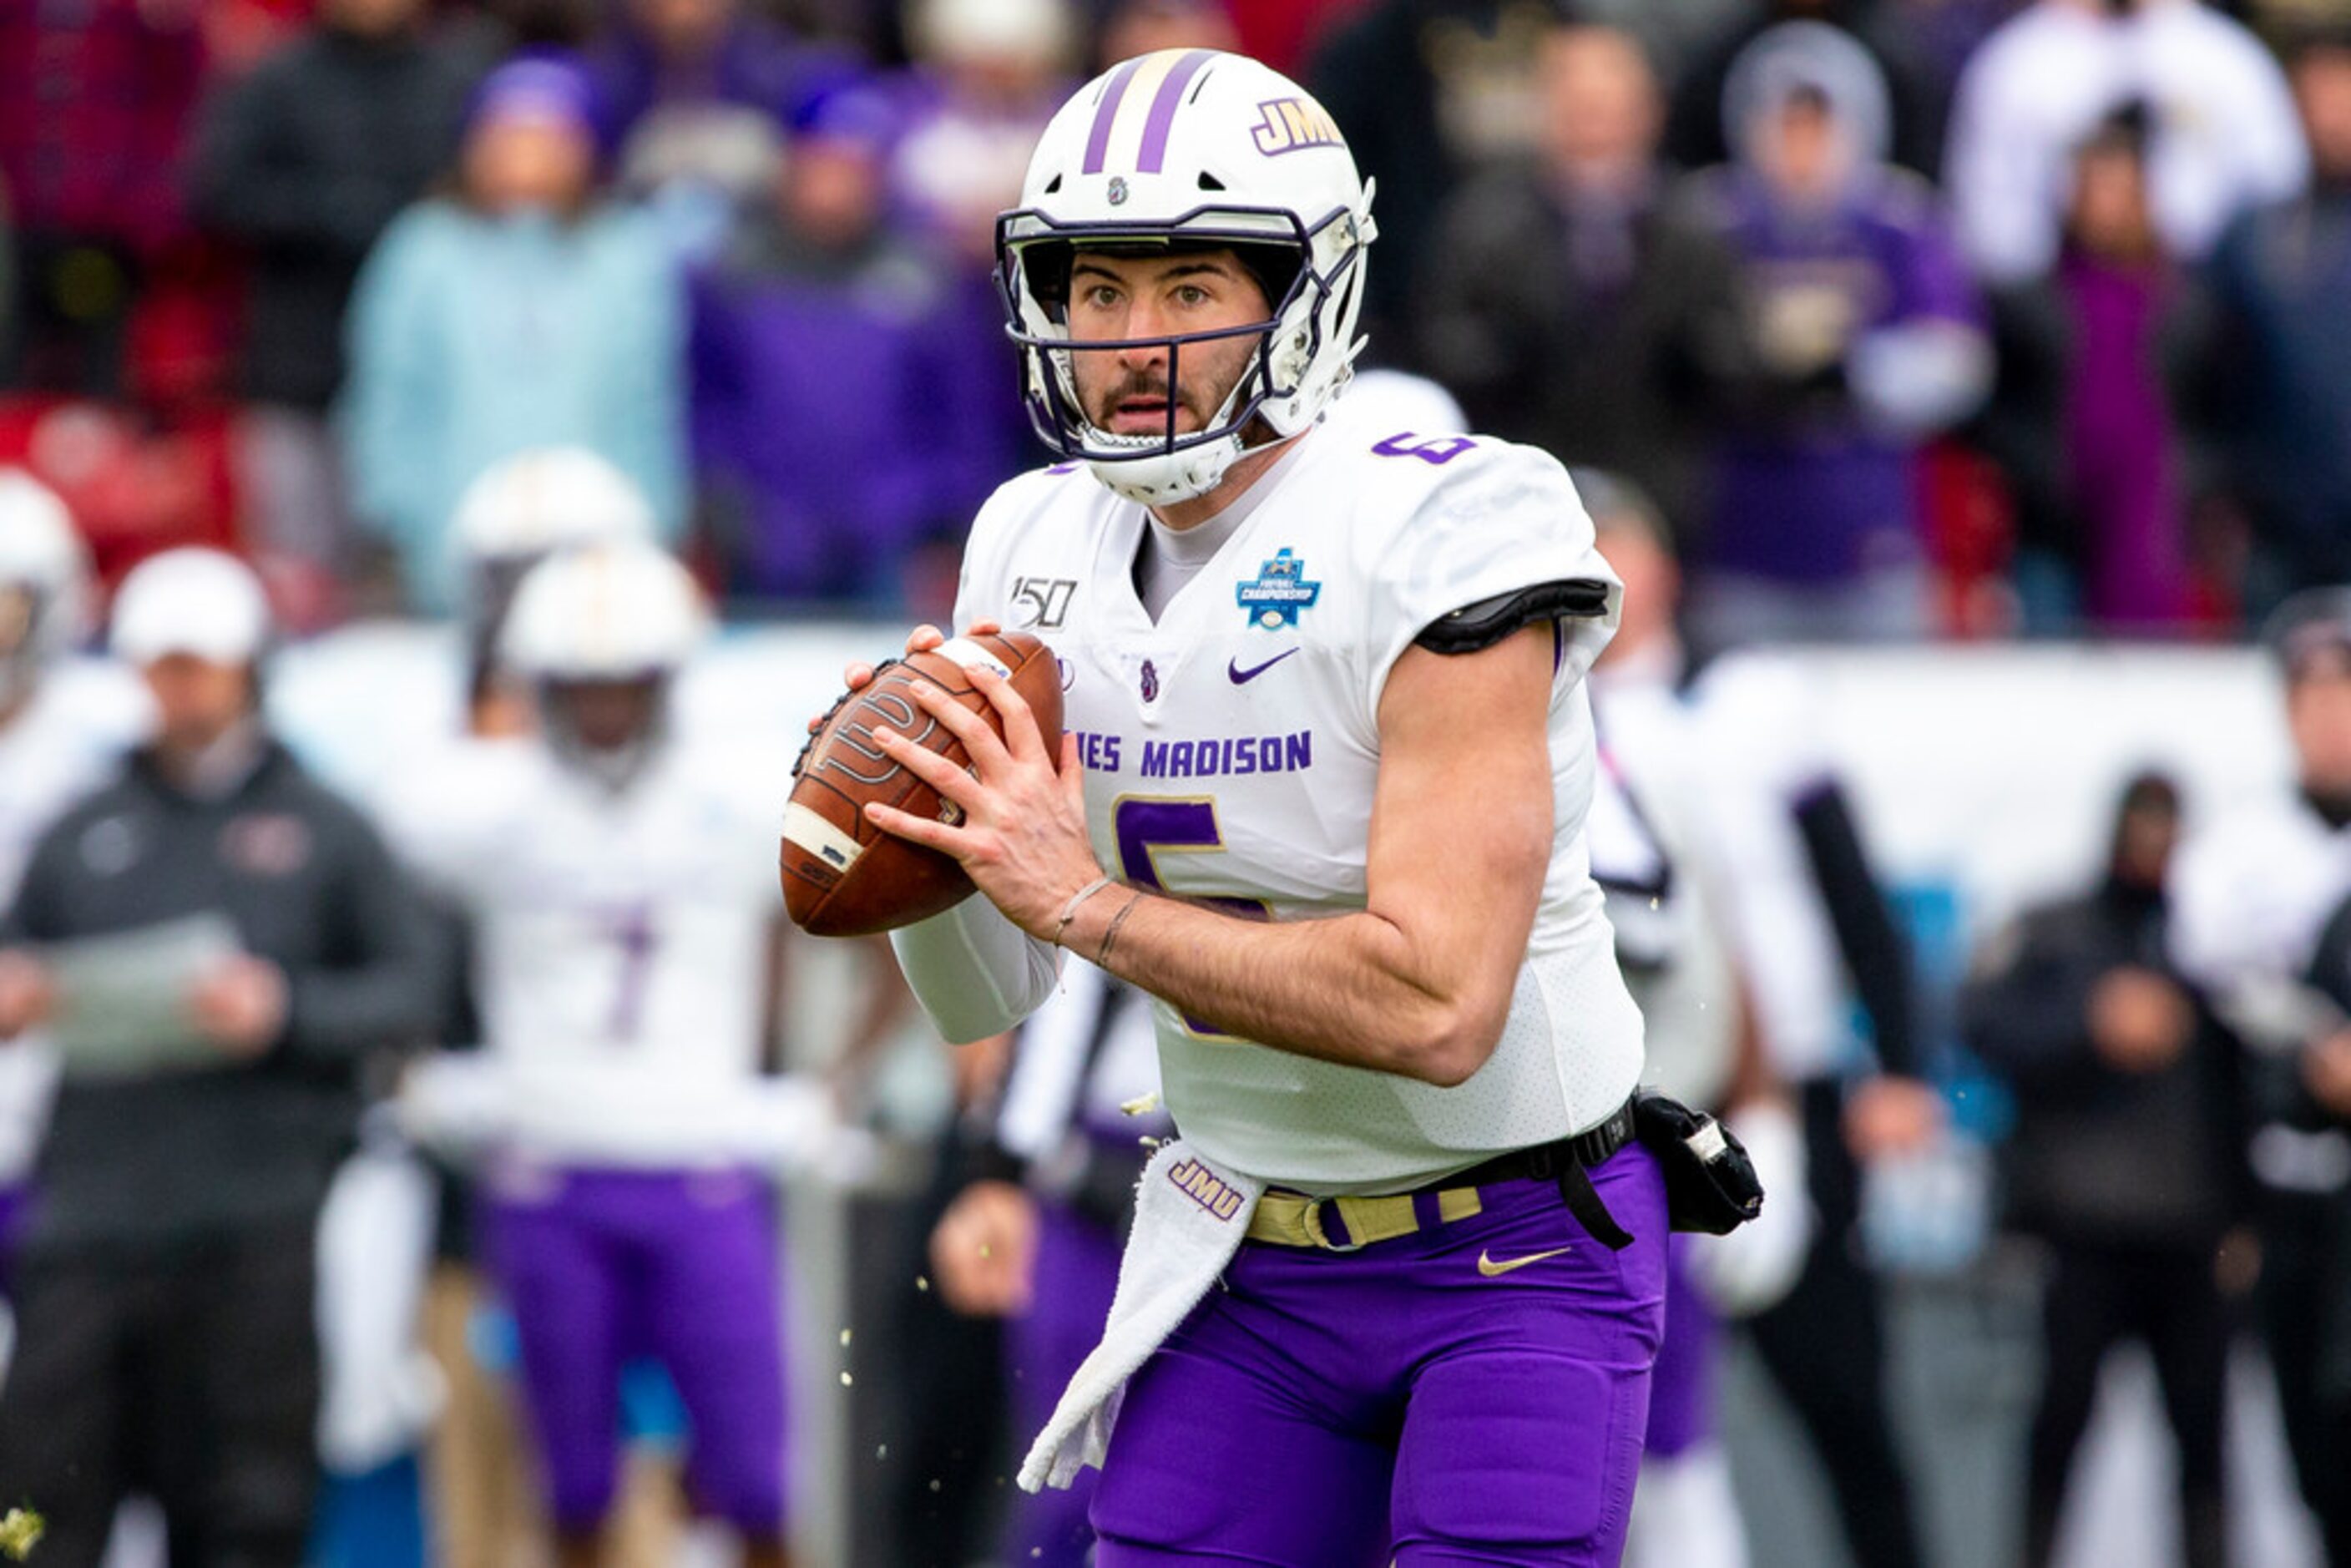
<point x="2260" y="920"/>
<point x="2080" y="420"/>
<point x="2223" y="138"/>
<point x="1695" y="136"/>
<point x="1861" y="341"/>
<point x="304" y="162"/>
<point x="95" y="98"/>
<point x="694" y="95"/>
<point x="2278" y="377"/>
<point x="1568" y="303"/>
<point x="166" y="1337"/>
<point x="828" y="403"/>
<point x="1132" y="28"/>
<point x="2126" y="1160"/>
<point x="1427" y="92"/>
<point x="625" y="1124"/>
<point x="524" y="312"/>
<point x="1035" y="1238"/>
<point x="987" y="75"/>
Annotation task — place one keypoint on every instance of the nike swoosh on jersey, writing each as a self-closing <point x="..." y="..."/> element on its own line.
<point x="1241" y="677"/>
<point x="1488" y="1268"/>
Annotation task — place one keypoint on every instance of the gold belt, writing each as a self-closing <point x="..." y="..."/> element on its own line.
<point x="1294" y="1220"/>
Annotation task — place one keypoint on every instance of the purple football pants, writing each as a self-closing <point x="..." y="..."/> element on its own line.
<point x="1681" y="1389"/>
<point x="611" y="1265"/>
<point x="1474" y="1393"/>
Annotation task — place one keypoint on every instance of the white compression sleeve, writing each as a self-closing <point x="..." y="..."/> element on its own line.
<point x="976" y="973"/>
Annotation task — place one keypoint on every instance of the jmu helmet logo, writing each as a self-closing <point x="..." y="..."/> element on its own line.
<point x="1292" y="125"/>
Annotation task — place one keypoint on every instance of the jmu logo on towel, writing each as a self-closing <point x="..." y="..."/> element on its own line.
<point x="1202" y="1185"/>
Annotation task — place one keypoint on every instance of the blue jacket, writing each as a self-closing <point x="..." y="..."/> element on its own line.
<point x="472" y="339"/>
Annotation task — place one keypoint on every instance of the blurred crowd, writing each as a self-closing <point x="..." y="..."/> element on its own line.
<point x="1921" y="317"/>
<point x="1906" y="321"/>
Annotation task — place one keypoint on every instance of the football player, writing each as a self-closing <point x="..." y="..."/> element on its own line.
<point x="515" y="515"/>
<point x="621" y="889"/>
<point x="1322" y="795"/>
<point x="1035" y="1236"/>
<point x="2260" y="917"/>
<point x="63" y="724"/>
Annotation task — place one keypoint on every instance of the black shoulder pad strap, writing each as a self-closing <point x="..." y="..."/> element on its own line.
<point x="1476" y="627"/>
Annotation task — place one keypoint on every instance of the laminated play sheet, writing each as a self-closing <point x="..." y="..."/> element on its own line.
<point x="122" y="998"/>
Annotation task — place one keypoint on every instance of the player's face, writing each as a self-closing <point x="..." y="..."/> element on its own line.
<point x="2319" y="713"/>
<point x="607" y="715"/>
<point x="1127" y="391"/>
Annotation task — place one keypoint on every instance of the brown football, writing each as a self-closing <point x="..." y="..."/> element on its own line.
<point x="843" y="875"/>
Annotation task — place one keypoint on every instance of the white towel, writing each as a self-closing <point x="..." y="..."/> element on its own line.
<point x="1190" y="1214"/>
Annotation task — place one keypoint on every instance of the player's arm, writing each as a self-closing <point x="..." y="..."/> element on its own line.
<point x="1417" y="983"/>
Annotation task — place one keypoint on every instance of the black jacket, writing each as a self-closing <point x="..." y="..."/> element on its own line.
<point x="1613" y="363"/>
<point x="303" y="162"/>
<point x="308" y="885"/>
<point x="2101" y="1154"/>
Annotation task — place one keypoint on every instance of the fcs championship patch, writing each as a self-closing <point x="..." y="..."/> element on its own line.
<point x="1280" y="593"/>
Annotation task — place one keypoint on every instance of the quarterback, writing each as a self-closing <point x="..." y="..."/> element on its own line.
<point x="1323" y="795"/>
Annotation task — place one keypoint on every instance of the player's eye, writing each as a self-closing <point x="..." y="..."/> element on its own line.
<point x="1191" y="294"/>
<point x="1101" y="297"/>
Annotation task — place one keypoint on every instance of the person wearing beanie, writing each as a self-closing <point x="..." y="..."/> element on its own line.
<point x="522" y="311"/>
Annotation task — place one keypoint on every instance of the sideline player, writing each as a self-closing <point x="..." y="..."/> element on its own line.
<point x="63" y="725"/>
<point x="1328" y="729"/>
<point x="1035" y="1236"/>
<point x="623" y="904"/>
<point x="2260" y="905"/>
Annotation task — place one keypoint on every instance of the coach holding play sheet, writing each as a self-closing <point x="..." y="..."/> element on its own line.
<point x="214" y="940"/>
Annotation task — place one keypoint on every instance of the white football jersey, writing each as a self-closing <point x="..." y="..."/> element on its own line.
<point x="1760" y="744"/>
<point x="2250" y="895"/>
<point x="620" y="940"/>
<point x="1231" y="754"/>
<point x="1654" y="857"/>
<point x="83" y="716"/>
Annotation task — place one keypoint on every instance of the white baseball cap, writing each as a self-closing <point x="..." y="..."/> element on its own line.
<point x="202" y="602"/>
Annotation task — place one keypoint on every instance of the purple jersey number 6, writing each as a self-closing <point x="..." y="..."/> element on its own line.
<point x="1146" y="825"/>
<point x="1428" y="449"/>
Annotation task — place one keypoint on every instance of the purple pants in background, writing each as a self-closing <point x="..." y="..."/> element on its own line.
<point x="1476" y="1392"/>
<point x="607" y="1265"/>
<point x="1077" y="1274"/>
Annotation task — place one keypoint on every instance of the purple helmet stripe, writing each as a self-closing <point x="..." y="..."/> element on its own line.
<point x="1098" y="139"/>
<point x="1163" y="111"/>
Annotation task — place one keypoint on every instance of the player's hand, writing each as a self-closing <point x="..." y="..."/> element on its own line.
<point x="27" y="994"/>
<point x="240" y="1005"/>
<point x="2139" y="1021"/>
<point x="984" y="1250"/>
<point x="1891" y="1115"/>
<point x="2326" y="1072"/>
<point x="859" y="674"/>
<point x="1021" y="834"/>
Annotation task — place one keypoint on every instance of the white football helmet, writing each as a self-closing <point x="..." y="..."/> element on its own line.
<point x="1190" y="147"/>
<point x="604" y="615"/>
<point x="544" y="499"/>
<point x="44" y="580"/>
